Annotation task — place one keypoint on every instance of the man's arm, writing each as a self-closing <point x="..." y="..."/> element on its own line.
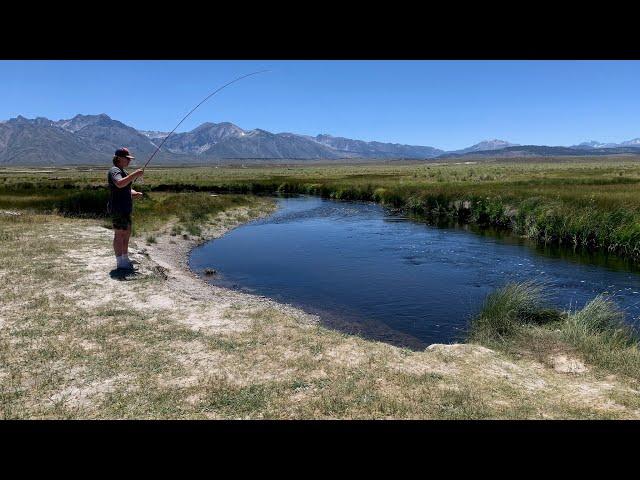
<point x="135" y="194"/>
<point x="123" y="182"/>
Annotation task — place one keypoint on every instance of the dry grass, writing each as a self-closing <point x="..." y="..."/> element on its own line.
<point x="75" y="343"/>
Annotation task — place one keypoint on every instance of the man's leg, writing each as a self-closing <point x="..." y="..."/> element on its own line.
<point x="125" y="244"/>
<point x="122" y="232"/>
<point x="118" y="236"/>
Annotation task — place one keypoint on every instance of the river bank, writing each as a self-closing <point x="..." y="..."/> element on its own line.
<point x="79" y="341"/>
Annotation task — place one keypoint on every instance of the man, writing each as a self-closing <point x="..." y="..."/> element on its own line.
<point x="120" y="204"/>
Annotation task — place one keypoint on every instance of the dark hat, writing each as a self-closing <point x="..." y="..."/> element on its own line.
<point x="124" y="152"/>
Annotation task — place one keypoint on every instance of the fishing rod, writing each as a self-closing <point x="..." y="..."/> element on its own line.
<point x="194" y="109"/>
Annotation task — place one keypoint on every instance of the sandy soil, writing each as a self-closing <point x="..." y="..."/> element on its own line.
<point x="195" y="302"/>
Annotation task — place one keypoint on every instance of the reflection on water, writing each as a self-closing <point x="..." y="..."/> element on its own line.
<point x="368" y="272"/>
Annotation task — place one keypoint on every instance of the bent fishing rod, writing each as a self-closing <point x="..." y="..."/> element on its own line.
<point x="194" y="109"/>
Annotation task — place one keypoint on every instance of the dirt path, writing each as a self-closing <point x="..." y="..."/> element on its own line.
<point x="82" y="342"/>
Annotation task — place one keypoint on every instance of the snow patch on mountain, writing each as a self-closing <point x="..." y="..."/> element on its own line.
<point x="153" y="134"/>
<point x="204" y="148"/>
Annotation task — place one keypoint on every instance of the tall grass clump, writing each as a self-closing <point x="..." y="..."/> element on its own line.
<point x="598" y="331"/>
<point x="600" y="316"/>
<point x="509" y="308"/>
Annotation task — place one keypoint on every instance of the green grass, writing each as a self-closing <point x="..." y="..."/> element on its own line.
<point x="598" y="331"/>
<point x="580" y="203"/>
<point x="517" y="318"/>
<point x="150" y="213"/>
<point x="508" y="308"/>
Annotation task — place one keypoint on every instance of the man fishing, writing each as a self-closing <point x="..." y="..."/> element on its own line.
<point x="120" y="201"/>
<point x="120" y="204"/>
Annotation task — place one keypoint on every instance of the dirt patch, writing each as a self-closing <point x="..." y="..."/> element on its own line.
<point x="565" y="364"/>
<point x="84" y="396"/>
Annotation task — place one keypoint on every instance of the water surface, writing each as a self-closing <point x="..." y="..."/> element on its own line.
<point x="367" y="271"/>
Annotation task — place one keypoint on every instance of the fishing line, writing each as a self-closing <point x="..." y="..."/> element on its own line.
<point x="194" y="109"/>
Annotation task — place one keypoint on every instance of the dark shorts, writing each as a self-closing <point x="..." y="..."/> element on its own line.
<point x="121" y="221"/>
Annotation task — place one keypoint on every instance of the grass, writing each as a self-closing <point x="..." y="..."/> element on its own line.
<point x="598" y="331"/>
<point x="507" y="309"/>
<point x="150" y="213"/>
<point x="56" y="354"/>
<point x="62" y="359"/>
<point x="517" y="318"/>
<point x="581" y="203"/>
<point x="62" y="356"/>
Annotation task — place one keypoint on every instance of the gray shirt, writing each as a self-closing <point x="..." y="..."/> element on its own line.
<point x="120" y="198"/>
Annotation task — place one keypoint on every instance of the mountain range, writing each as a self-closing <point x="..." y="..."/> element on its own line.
<point x="92" y="139"/>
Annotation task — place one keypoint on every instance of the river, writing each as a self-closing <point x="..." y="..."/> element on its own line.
<point x="367" y="271"/>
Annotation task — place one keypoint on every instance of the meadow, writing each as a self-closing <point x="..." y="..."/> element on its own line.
<point x="68" y="353"/>
<point x="588" y="203"/>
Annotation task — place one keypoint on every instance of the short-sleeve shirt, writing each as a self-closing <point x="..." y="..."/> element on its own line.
<point x="119" y="198"/>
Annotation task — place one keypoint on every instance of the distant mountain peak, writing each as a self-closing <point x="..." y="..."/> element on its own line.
<point x="497" y="142"/>
<point x="91" y="118"/>
<point x="258" y="131"/>
<point x="82" y="115"/>
<point x="80" y="121"/>
<point x="205" y="125"/>
<point x="228" y="126"/>
<point x="590" y="143"/>
<point x="491" y="144"/>
<point x="593" y="144"/>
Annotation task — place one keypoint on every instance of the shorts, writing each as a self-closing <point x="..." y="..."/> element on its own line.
<point x="121" y="221"/>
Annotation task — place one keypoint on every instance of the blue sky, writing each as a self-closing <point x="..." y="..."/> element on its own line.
<point x="445" y="104"/>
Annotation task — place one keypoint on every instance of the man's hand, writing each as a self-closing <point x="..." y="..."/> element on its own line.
<point x="135" y="194"/>
<point x="138" y="173"/>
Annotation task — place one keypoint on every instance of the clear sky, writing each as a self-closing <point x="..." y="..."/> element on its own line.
<point x="444" y="104"/>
